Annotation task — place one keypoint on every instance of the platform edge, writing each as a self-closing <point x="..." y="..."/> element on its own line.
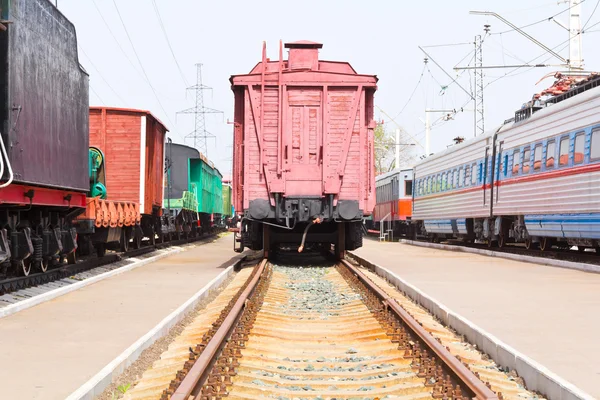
<point x="536" y="376"/>
<point x="583" y="267"/>
<point x="99" y="382"/>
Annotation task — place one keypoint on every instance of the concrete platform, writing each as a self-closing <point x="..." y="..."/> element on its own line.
<point x="48" y="351"/>
<point x="549" y="314"/>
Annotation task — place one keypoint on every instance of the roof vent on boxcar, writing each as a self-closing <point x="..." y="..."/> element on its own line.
<point x="303" y="55"/>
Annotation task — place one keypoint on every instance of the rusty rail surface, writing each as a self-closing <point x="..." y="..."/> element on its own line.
<point x="196" y="376"/>
<point x="478" y="389"/>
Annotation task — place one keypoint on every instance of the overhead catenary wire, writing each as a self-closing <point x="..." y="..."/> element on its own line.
<point x="102" y="76"/>
<point x="413" y="92"/>
<point x="117" y="40"/>
<point x="550" y="18"/>
<point x="591" y="15"/>
<point x="162" y="27"/>
<point x="97" y="95"/>
<point x="564" y="45"/>
<point x="141" y="64"/>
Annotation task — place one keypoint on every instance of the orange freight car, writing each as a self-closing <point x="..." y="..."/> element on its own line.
<point x="133" y="145"/>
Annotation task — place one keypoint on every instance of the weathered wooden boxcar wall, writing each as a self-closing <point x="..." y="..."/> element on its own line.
<point x="304" y="133"/>
<point x="43" y="96"/>
<point x="155" y="164"/>
<point x="133" y="145"/>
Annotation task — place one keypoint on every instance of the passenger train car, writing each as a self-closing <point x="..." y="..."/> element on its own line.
<point x="536" y="179"/>
<point x="393" y="209"/>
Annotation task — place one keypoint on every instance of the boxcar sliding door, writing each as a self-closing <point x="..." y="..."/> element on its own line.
<point x="303" y="141"/>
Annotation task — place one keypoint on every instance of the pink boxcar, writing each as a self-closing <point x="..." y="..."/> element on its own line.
<point x="303" y="151"/>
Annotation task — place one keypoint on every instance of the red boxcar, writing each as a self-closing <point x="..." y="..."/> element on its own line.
<point x="303" y="151"/>
<point x="133" y="145"/>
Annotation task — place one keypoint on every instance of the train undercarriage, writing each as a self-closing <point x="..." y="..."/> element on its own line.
<point x="35" y="239"/>
<point x="503" y="230"/>
<point x="263" y="235"/>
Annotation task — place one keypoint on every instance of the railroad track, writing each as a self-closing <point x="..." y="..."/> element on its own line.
<point x="336" y="331"/>
<point x="14" y="284"/>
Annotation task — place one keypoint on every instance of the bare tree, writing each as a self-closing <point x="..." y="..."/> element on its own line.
<point x="385" y="150"/>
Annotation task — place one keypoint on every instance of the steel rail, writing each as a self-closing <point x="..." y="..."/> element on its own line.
<point x="477" y="387"/>
<point x="193" y="381"/>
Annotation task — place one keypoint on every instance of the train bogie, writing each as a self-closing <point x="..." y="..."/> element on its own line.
<point x="303" y="150"/>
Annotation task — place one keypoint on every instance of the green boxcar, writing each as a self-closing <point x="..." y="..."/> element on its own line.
<point x="205" y="183"/>
<point x="227" y="207"/>
<point x="218" y="193"/>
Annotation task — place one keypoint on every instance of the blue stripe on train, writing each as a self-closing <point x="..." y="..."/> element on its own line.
<point x="564" y="225"/>
<point x="446" y="226"/>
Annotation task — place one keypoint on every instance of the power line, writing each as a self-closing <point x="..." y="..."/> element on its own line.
<point x="591" y="15"/>
<point x="140" y="62"/>
<point x="97" y="95"/>
<point x="101" y="76"/>
<point x="565" y="44"/>
<point x="162" y="27"/>
<point x="413" y="92"/>
<point x="538" y="22"/>
<point x="510" y="73"/>
<point x="115" y="38"/>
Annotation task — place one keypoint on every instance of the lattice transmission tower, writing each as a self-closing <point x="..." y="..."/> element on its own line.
<point x="200" y="134"/>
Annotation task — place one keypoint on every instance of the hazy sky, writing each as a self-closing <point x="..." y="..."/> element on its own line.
<point x="376" y="37"/>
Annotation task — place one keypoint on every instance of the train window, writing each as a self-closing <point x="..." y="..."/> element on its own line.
<point x="563" y="156"/>
<point x="550" y="153"/>
<point x="438" y="186"/>
<point x="579" y="148"/>
<point x="455" y="179"/>
<point x="595" y="145"/>
<point x="480" y="173"/>
<point x="467" y="175"/>
<point x="444" y="177"/>
<point x="461" y="176"/>
<point x="515" y="167"/>
<point x="505" y="164"/>
<point x="473" y="174"/>
<point x="408" y="188"/>
<point x="537" y="157"/>
<point x="526" y="159"/>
